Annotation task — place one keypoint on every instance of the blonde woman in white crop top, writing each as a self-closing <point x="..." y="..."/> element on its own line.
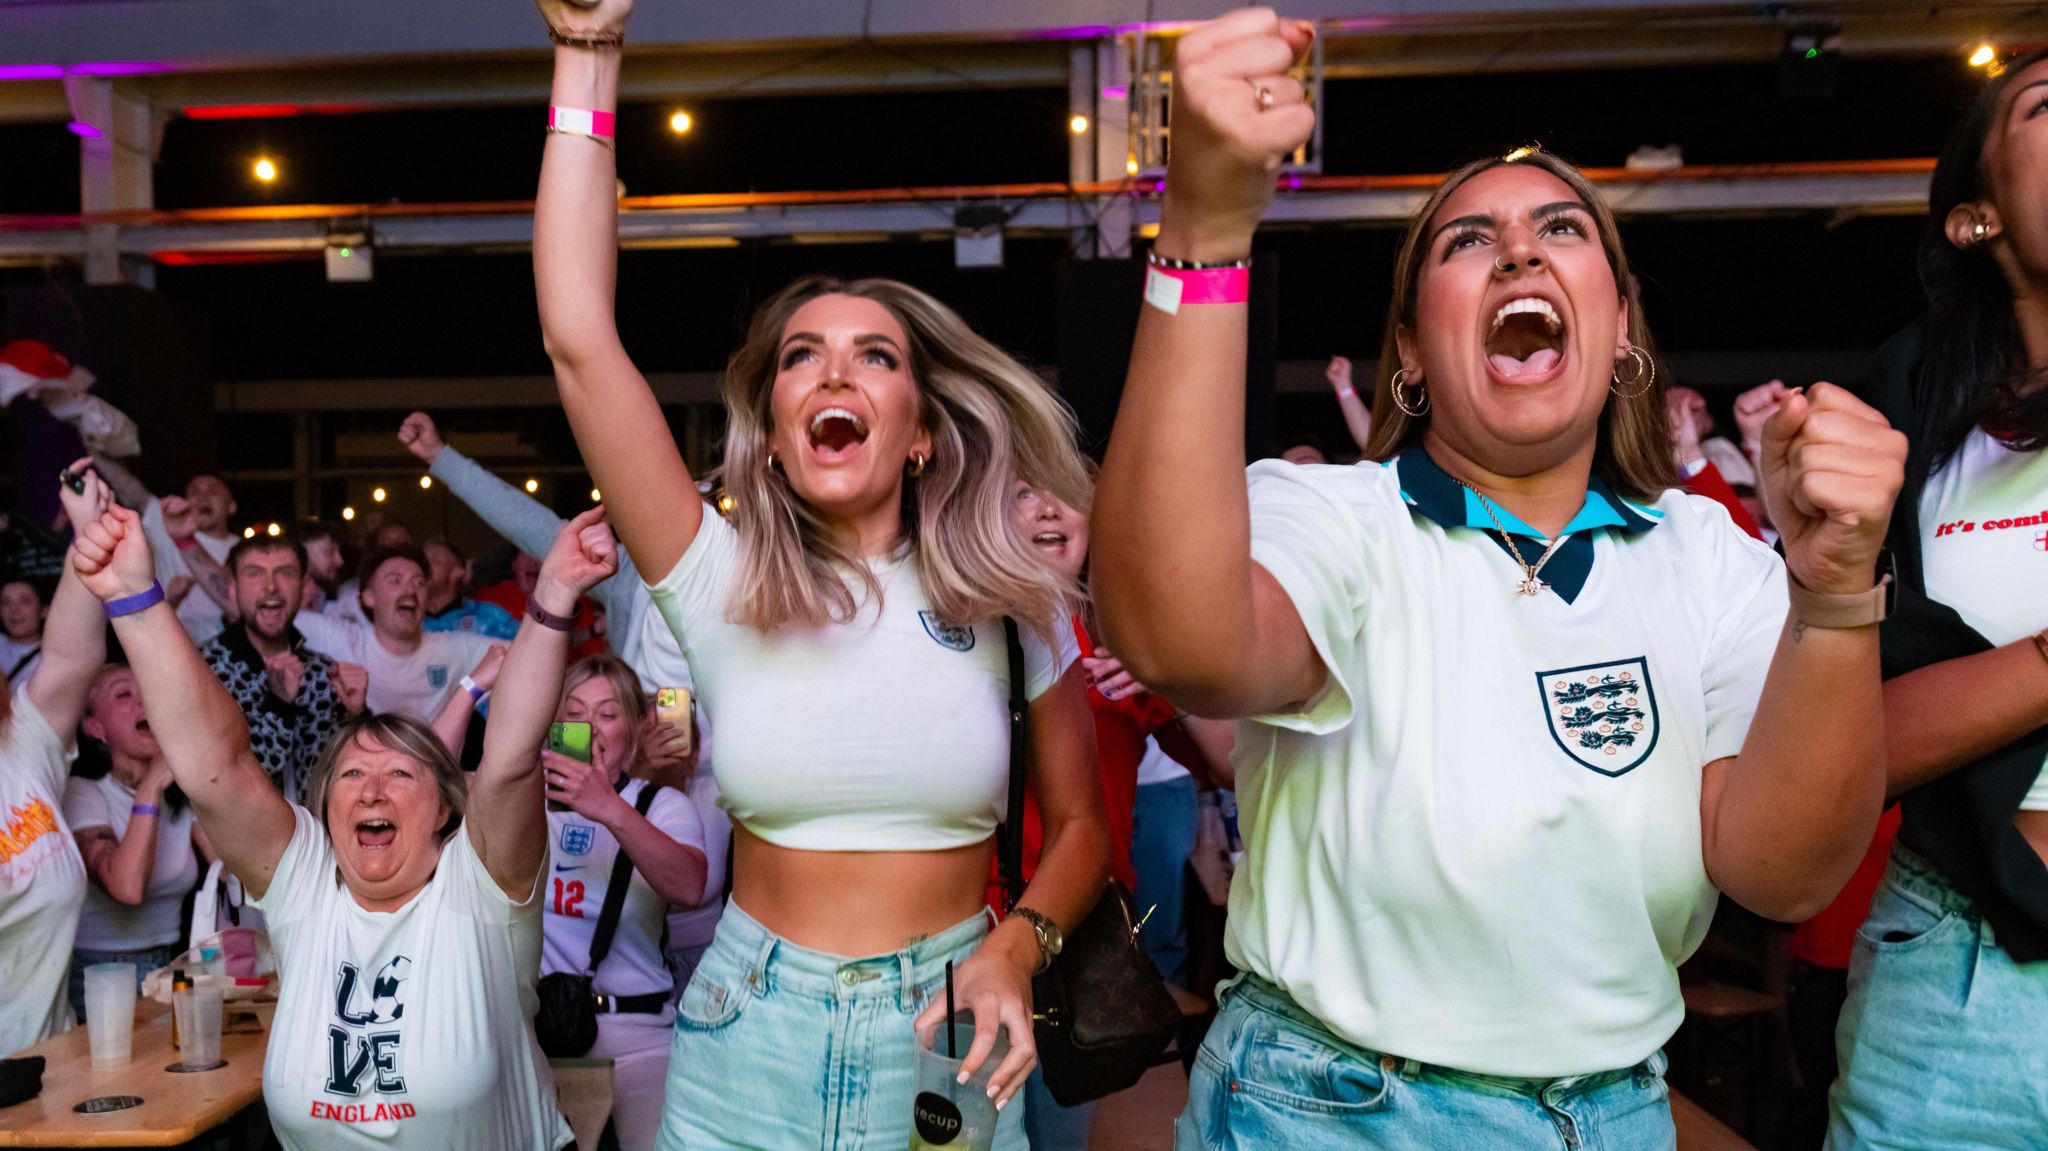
<point x="844" y="632"/>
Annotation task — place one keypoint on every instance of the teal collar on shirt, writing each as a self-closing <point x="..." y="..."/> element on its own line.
<point x="1432" y="493"/>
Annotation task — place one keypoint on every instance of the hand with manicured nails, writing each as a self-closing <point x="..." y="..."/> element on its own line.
<point x="111" y="555"/>
<point x="584" y="555"/>
<point x="1226" y="147"/>
<point x="1107" y="676"/>
<point x="995" y="985"/>
<point x="421" y="437"/>
<point x="1831" y="468"/>
<point x="586" y="788"/>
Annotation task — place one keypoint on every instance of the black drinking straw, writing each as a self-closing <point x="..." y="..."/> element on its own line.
<point x="951" y="1044"/>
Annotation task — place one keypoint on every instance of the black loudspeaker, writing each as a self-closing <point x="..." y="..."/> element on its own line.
<point x="151" y="358"/>
<point x="1098" y="317"/>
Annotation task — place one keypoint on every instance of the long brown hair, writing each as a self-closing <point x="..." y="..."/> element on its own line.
<point x="990" y="419"/>
<point x="1634" y="451"/>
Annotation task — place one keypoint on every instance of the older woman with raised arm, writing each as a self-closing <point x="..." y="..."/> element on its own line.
<point x="845" y="634"/>
<point x="1513" y="709"/>
<point x="404" y="907"/>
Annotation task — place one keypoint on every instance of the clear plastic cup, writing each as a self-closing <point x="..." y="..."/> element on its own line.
<point x="198" y="1010"/>
<point x="110" y="1012"/>
<point x="949" y="1115"/>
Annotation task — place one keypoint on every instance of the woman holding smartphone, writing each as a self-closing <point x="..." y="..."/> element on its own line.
<point x="845" y="635"/>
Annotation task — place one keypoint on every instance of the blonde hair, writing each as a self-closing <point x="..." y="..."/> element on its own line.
<point x="1634" y="451"/>
<point x="625" y="687"/>
<point x="404" y="735"/>
<point x="989" y="418"/>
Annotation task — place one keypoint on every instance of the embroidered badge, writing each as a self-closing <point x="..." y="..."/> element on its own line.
<point x="946" y="635"/>
<point x="437" y="676"/>
<point x="1604" y="715"/>
<point x="577" y="839"/>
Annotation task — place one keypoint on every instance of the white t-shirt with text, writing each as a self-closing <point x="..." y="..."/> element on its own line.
<point x="42" y="881"/>
<point x="409" y="1028"/>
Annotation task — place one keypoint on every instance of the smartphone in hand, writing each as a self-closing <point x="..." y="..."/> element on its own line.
<point x="672" y="707"/>
<point x="570" y="738"/>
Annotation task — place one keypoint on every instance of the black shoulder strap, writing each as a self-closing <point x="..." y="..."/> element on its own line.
<point x="23" y="661"/>
<point x="1010" y="836"/>
<point x="615" y="893"/>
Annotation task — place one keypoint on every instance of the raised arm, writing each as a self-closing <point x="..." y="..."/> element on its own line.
<point x="1182" y="602"/>
<point x="202" y="732"/>
<point x="1357" y="417"/>
<point x="619" y="425"/>
<point x="127" y="487"/>
<point x="209" y="576"/>
<point x="1785" y="822"/>
<point x="452" y="724"/>
<point x="507" y="823"/>
<point x="75" y="631"/>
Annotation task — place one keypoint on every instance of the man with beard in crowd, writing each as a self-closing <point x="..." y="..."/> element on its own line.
<point x="412" y="671"/>
<point x="294" y="697"/>
<point x="322" y="541"/>
<point x="448" y="608"/>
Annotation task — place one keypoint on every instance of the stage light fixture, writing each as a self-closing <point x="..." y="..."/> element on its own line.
<point x="265" y="170"/>
<point x="1078" y="125"/>
<point x="681" y="123"/>
<point x="378" y="495"/>
<point x="532" y="486"/>
<point x="426" y="483"/>
<point x="348" y="514"/>
<point x="1984" y="56"/>
<point x="274" y="530"/>
<point x="248" y="533"/>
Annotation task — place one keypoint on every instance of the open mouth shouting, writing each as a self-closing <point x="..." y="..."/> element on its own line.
<point x="271" y="613"/>
<point x="1052" y="543"/>
<point x="375" y="834"/>
<point x="836" y="434"/>
<point x="1526" y="343"/>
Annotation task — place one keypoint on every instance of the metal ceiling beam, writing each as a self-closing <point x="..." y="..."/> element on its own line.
<point x="1893" y="186"/>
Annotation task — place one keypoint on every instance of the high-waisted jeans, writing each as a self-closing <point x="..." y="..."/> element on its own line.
<point x="1943" y="1041"/>
<point x="782" y="1048"/>
<point x="1270" y="1076"/>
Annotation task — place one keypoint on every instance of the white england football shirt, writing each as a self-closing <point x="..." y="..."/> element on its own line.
<point x="407" y="1028"/>
<point x="416" y="683"/>
<point x="582" y="852"/>
<point x="1479" y="845"/>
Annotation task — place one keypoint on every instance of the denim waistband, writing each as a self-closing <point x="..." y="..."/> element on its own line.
<point x="1911" y="871"/>
<point x="1264" y="996"/>
<point x="769" y="960"/>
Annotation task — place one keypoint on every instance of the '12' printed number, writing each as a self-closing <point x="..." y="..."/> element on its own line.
<point x="569" y="898"/>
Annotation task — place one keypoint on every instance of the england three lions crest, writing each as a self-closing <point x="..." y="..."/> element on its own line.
<point x="947" y="635"/>
<point x="1604" y="715"/>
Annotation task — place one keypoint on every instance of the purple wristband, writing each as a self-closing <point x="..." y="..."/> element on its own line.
<point x="143" y="809"/>
<point x="548" y="619"/>
<point x="140" y="601"/>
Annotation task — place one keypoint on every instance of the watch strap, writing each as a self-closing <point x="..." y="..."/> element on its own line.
<point x="1861" y="609"/>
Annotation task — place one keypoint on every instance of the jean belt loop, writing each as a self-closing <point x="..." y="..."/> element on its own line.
<point x="1410" y="1069"/>
<point x="757" y="972"/>
<point x="907" y="995"/>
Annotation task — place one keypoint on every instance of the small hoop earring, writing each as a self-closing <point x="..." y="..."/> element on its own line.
<point x="1978" y="231"/>
<point x="1400" y="382"/>
<point x="917" y="463"/>
<point x="774" y="464"/>
<point x="1645" y="373"/>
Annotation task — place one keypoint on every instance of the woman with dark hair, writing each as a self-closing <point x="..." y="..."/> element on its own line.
<point x="1945" y="1030"/>
<point x="845" y="632"/>
<point x="404" y="902"/>
<point x="1514" y="711"/>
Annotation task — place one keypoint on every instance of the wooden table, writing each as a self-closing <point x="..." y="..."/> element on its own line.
<point x="176" y="1107"/>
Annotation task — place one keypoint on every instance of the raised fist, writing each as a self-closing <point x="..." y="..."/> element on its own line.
<point x="112" y="557"/>
<point x="1237" y="115"/>
<point x="421" y="437"/>
<point x="1831" y="468"/>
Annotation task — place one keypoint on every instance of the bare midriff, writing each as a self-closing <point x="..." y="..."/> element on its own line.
<point x="857" y="903"/>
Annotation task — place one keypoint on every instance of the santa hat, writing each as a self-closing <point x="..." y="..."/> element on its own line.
<point x="33" y="366"/>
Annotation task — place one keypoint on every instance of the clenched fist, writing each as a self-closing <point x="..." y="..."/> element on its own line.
<point x="112" y="557"/>
<point x="352" y="686"/>
<point x="421" y="437"/>
<point x="1831" y="469"/>
<point x="1237" y="115"/>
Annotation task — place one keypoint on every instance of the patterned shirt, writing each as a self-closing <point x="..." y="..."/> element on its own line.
<point x="287" y="736"/>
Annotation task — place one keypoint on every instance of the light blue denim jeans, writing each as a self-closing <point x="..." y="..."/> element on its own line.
<point x="782" y="1048"/>
<point x="1270" y="1077"/>
<point x="1943" y="1040"/>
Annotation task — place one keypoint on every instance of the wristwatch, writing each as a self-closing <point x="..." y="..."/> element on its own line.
<point x="1050" y="940"/>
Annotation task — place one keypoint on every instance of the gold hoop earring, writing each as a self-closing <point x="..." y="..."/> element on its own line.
<point x="1978" y="232"/>
<point x="774" y="465"/>
<point x="1399" y="382"/>
<point x="917" y="463"/>
<point x="1645" y="373"/>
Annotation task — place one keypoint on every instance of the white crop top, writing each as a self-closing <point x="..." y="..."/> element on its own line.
<point x="887" y="733"/>
<point x="1984" y="546"/>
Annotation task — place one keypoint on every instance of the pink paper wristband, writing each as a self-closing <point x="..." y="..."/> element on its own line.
<point x="1169" y="289"/>
<point x="582" y="121"/>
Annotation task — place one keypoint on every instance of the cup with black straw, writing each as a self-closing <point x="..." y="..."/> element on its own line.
<point x="950" y="1114"/>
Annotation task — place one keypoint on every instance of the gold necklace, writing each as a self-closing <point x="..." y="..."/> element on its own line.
<point x="1529" y="585"/>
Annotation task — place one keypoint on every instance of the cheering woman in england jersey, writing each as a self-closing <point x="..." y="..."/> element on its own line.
<point x="1515" y="709"/>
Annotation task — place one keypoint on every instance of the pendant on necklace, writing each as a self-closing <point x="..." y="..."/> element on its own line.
<point x="1531" y="587"/>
